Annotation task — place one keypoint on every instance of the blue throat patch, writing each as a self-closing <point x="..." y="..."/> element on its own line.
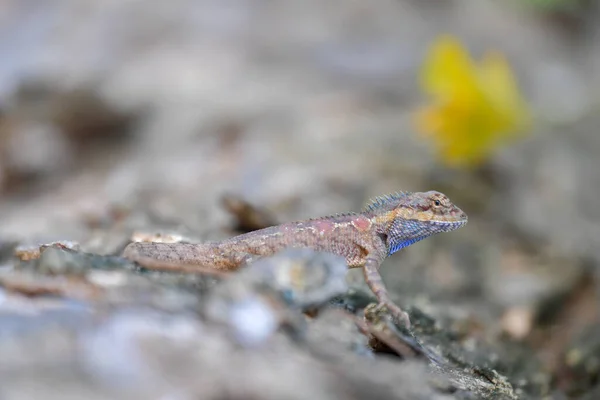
<point x="403" y="244"/>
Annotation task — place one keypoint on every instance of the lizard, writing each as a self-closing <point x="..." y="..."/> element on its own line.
<point x="365" y="239"/>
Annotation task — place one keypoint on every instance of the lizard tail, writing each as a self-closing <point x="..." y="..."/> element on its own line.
<point x="209" y="255"/>
<point x="170" y="252"/>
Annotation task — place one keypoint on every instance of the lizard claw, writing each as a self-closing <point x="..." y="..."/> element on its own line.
<point x="401" y="317"/>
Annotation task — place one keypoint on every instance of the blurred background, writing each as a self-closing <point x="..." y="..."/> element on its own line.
<point x="126" y="116"/>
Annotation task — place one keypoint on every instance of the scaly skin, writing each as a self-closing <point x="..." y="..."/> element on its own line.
<point x="365" y="239"/>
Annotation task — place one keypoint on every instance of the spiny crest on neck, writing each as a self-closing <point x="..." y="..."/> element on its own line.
<point x="386" y="202"/>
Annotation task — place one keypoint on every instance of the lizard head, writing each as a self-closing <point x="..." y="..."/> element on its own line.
<point x="407" y="218"/>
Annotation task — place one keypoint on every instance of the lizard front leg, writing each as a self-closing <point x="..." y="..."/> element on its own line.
<point x="375" y="283"/>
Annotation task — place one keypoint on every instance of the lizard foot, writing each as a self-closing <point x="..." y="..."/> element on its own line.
<point x="400" y="316"/>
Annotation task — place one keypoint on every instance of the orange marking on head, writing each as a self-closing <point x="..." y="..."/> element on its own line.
<point x="423" y="216"/>
<point x="362" y="224"/>
<point x="412" y="214"/>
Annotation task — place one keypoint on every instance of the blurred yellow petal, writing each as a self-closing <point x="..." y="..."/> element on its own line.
<point x="447" y="67"/>
<point x="502" y="91"/>
<point x="473" y="109"/>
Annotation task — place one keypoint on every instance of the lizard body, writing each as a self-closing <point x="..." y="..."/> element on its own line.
<point x="386" y="225"/>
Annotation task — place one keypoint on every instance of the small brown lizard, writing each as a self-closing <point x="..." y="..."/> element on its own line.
<point x="388" y="224"/>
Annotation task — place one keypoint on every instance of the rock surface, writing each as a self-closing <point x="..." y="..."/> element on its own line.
<point x="196" y="120"/>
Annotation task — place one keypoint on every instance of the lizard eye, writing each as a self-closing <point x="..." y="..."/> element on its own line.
<point x="437" y="203"/>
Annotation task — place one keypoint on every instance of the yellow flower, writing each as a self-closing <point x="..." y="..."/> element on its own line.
<point x="475" y="108"/>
